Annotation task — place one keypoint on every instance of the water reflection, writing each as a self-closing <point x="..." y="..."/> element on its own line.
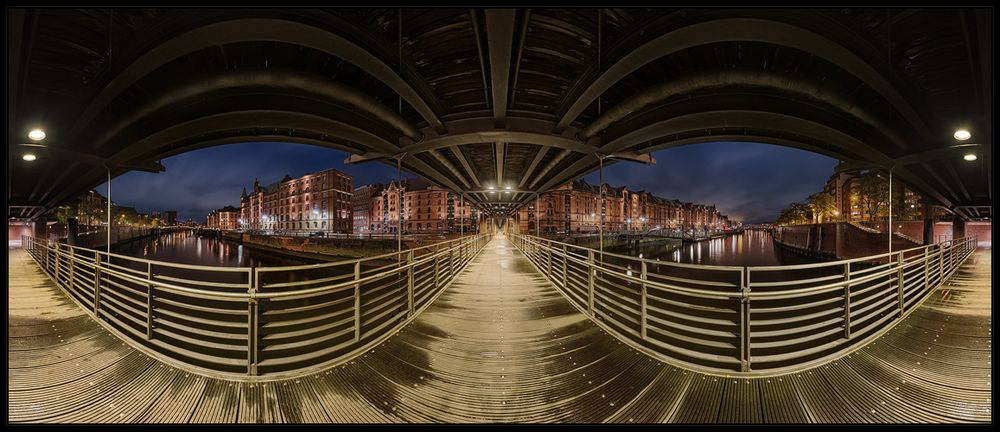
<point x="751" y="248"/>
<point x="186" y="248"/>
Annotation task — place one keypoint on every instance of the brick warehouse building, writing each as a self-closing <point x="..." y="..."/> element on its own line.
<point x="319" y="201"/>
<point x="426" y="209"/>
<point x="226" y="218"/>
<point x="362" y="206"/>
<point x="575" y="208"/>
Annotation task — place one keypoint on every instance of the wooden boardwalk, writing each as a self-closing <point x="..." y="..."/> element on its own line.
<point x="501" y="345"/>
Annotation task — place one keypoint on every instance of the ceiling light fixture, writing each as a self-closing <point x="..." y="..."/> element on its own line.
<point x="36" y="135"/>
<point x="962" y="135"/>
<point x="970" y="157"/>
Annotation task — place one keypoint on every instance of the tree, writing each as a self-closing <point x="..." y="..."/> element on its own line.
<point x="823" y="206"/>
<point x="873" y="194"/>
<point x="64" y="213"/>
<point x="794" y="214"/>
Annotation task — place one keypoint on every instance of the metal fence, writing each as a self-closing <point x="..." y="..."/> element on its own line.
<point x="263" y="321"/>
<point x="744" y="320"/>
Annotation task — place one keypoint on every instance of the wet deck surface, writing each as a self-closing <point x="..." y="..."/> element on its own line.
<point x="501" y="345"/>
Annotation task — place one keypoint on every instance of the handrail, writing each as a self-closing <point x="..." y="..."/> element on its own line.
<point x="330" y="313"/>
<point x="753" y="304"/>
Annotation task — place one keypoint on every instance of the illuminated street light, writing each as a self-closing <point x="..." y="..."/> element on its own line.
<point x="970" y="157"/>
<point x="28" y="157"/>
<point x="36" y="135"/>
<point x="962" y="135"/>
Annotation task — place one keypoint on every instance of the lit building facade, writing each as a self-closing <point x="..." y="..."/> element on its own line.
<point x="315" y="202"/>
<point x="364" y="208"/>
<point x="226" y="218"/>
<point x="852" y="205"/>
<point x="425" y="209"/>
<point x="576" y="208"/>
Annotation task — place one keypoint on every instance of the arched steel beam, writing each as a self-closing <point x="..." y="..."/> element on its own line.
<point x="745" y="119"/>
<point x="266" y="78"/>
<point x="152" y="145"/>
<point x="744" y="29"/>
<point x="797" y="87"/>
<point x="251" y="30"/>
<point x="485" y="137"/>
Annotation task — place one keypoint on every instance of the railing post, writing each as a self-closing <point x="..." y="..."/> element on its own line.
<point x="940" y="263"/>
<point x="590" y="281"/>
<point x="149" y="301"/>
<point x="409" y="280"/>
<point x="565" y="260"/>
<point x="745" y="320"/>
<point x="72" y="255"/>
<point x="97" y="283"/>
<point x="357" y="301"/>
<point x="548" y="251"/>
<point x="58" y="252"/>
<point x="451" y="260"/>
<point x="927" y="269"/>
<point x="899" y="280"/>
<point x="642" y="312"/>
<point x="437" y="257"/>
<point x="847" y="300"/>
<point x="252" y="309"/>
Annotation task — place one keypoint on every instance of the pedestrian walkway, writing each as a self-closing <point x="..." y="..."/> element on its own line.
<point x="502" y="345"/>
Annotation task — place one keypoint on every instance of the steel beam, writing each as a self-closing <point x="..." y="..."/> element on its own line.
<point x="534" y="163"/>
<point x="492" y="136"/>
<point x="499" y="35"/>
<point x="253" y="30"/>
<point x="520" y="53"/>
<point x="465" y="164"/>
<point x="744" y="30"/>
<point x="479" y="50"/>
<point x="499" y="156"/>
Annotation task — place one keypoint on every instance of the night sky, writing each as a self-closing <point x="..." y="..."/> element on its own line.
<point x="748" y="182"/>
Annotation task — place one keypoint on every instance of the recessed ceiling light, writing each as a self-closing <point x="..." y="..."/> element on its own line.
<point x="962" y="134"/>
<point x="28" y="157"/>
<point x="36" y="134"/>
<point x="970" y="157"/>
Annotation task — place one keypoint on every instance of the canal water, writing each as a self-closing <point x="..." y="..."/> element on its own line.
<point x="186" y="247"/>
<point x="189" y="248"/>
<point x="751" y="248"/>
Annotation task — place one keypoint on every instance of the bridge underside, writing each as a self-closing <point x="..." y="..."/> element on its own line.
<point x="526" y="99"/>
<point x="502" y="345"/>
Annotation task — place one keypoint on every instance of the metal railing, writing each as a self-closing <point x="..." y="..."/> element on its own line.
<point x="263" y="322"/>
<point x="760" y="320"/>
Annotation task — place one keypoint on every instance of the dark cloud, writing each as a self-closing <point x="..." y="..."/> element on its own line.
<point x="198" y="182"/>
<point x="750" y="182"/>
